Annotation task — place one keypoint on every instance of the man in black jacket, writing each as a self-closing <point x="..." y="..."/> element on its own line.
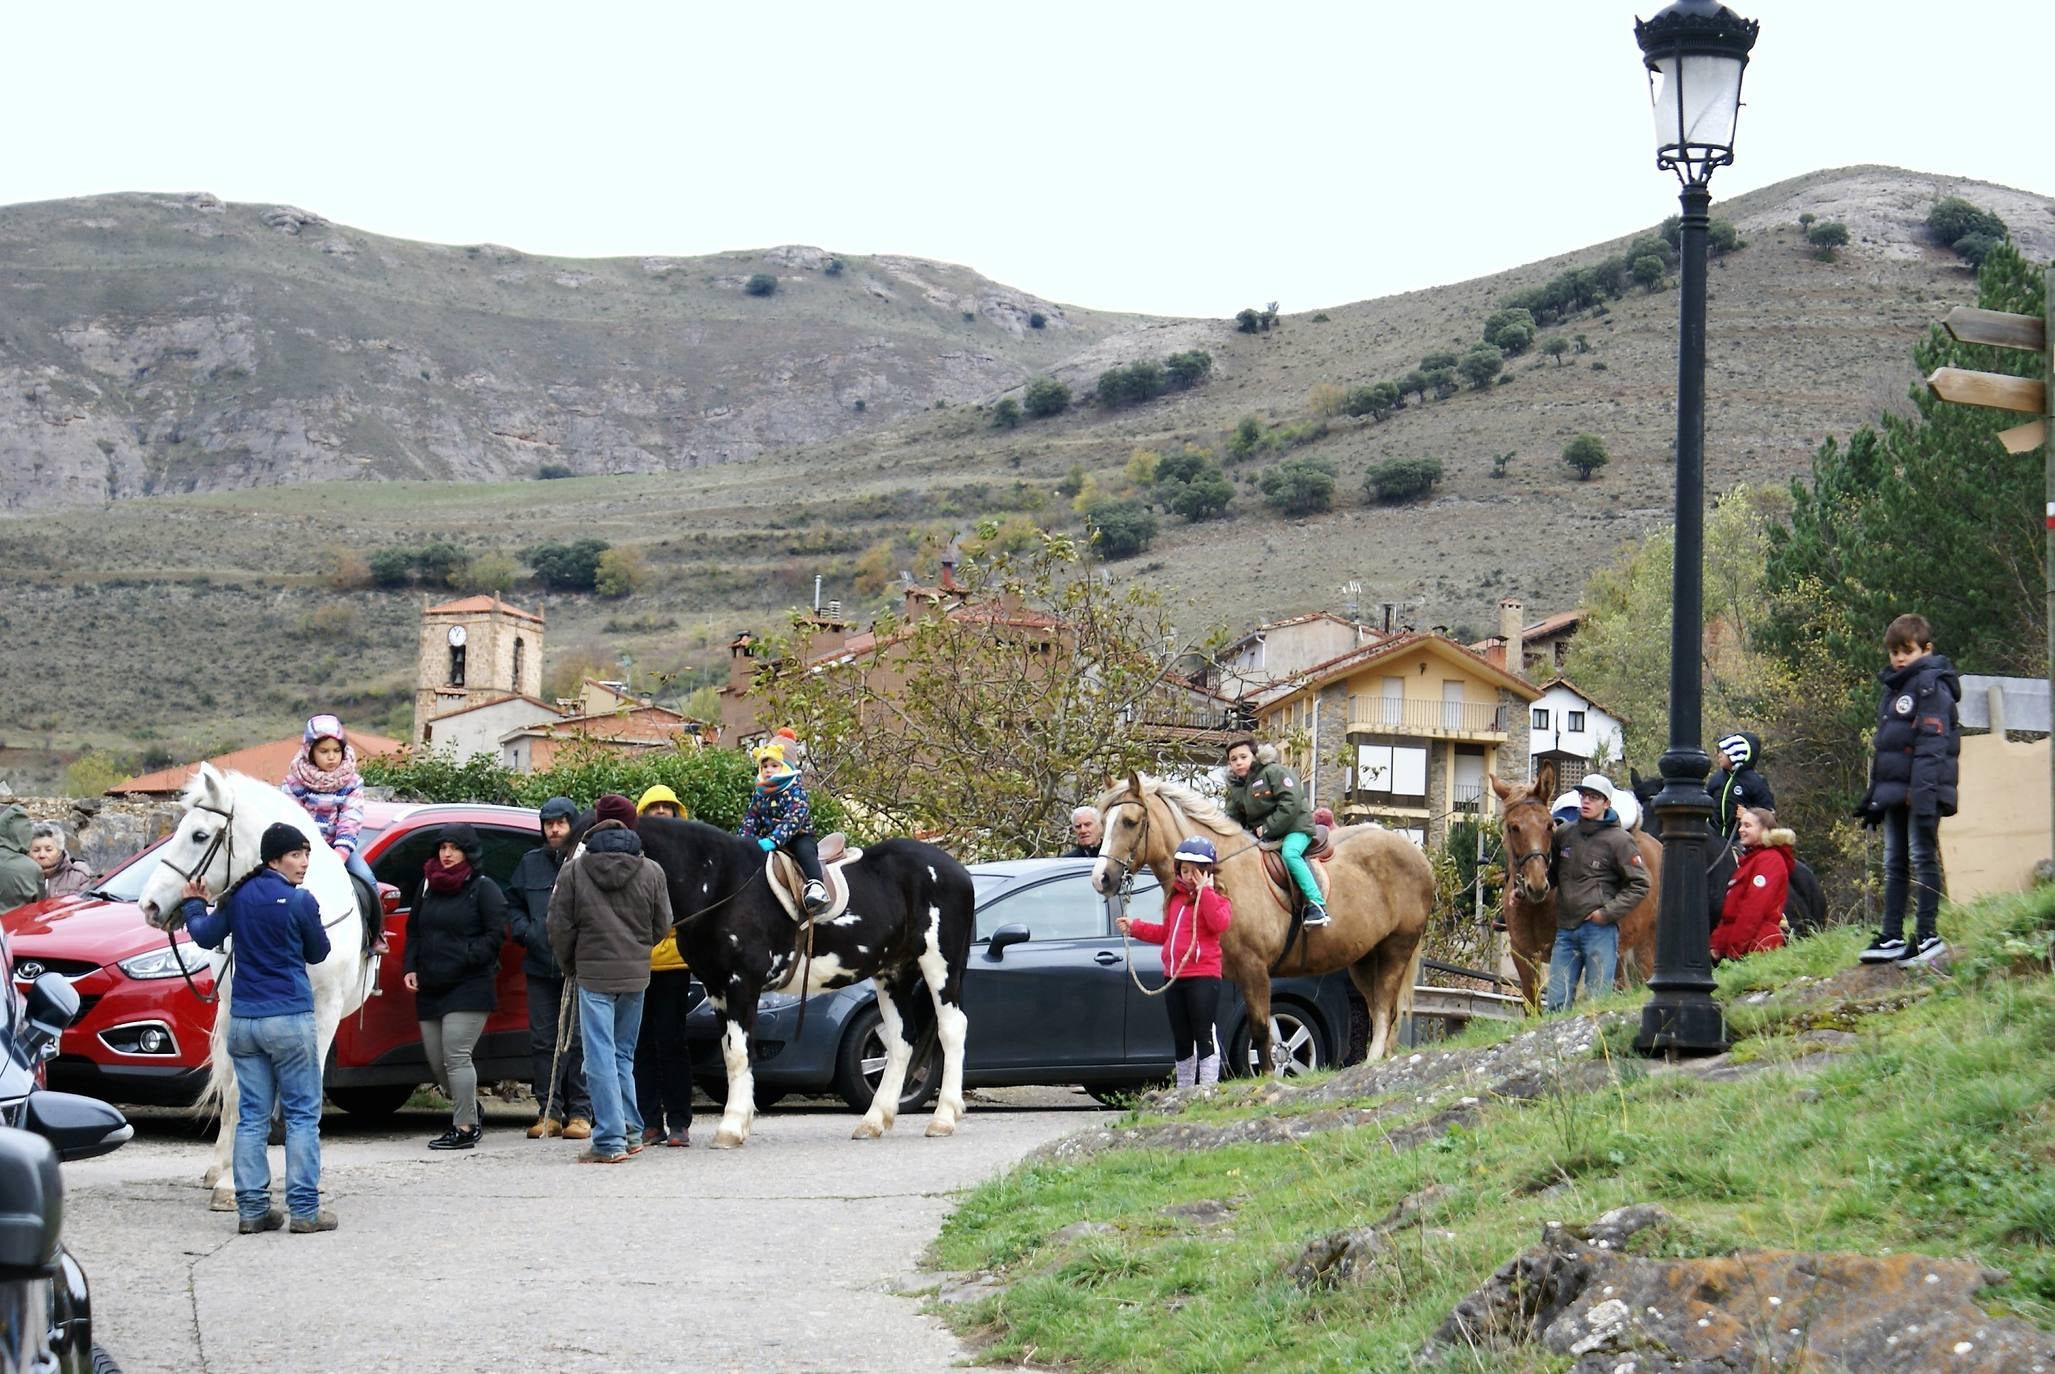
<point x="1737" y="781"/>
<point x="562" y="1106"/>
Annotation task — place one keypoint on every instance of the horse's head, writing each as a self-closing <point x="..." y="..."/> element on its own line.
<point x="202" y="846"/>
<point x="1530" y="832"/>
<point x="1135" y="831"/>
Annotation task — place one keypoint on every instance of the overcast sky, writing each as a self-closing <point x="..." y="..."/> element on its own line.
<point x="1187" y="158"/>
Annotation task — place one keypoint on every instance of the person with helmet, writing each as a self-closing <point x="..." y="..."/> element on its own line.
<point x="660" y="801"/>
<point x="562" y="1106"/>
<point x="780" y="817"/>
<point x="1195" y="915"/>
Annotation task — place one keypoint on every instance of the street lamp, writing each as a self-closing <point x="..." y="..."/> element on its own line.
<point x="1695" y="52"/>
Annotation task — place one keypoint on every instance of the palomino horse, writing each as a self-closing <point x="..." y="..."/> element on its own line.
<point x="1531" y="897"/>
<point x="217" y="842"/>
<point x="1381" y="894"/>
<point x="906" y="921"/>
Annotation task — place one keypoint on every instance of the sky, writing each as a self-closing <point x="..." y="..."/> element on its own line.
<point x="1185" y="159"/>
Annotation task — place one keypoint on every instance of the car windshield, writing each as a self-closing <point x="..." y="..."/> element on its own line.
<point x="125" y="884"/>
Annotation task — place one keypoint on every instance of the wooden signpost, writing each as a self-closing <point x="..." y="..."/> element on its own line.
<point x="2023" y="395"/>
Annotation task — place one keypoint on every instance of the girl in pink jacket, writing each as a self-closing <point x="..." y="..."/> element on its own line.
<point x="1195" y="914"/>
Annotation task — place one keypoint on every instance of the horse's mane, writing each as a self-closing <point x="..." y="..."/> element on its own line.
<point x="1186" y="801"/>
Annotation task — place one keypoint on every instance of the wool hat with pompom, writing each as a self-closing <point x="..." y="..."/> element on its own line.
<point x="614" y="807"/>
<point x="774" y="753"/>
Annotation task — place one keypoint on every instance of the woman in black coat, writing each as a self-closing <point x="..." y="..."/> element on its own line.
<point x="454" y="935"/>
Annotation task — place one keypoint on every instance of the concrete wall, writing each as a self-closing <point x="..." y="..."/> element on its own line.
<point x="2001" y="829"/>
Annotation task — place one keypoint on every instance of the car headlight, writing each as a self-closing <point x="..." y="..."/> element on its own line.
<point x="776" y="1001"/>
<point x="181" y="958"/>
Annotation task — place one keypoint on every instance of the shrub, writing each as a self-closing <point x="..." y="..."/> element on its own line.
<point x="391" y="567"/>
<point x="1586" y="453"/>
<point x="620" y="572"/>
<point x="1327" y="399"/>
<point x="1073" y="482"/>
<point x="1499" y="322"/>
<point x="1805" y="220"/>
<point x="550" y="472"/>
<point x="1480" y="365"/>
<point x="343" y="569"/>
<point x="438" y="563"/>
<point x="1377" y="400"/>
<point x="1204" y="497"/>
<point x="1121" y="529"/>
<point x="1402" y="479"/>
<point x="1186" y="370"/>
<point x="1721" y="237"/>
<point x="1825" y="237"/>
<point x="1499" y="463"/>
<point x="334" y="622"/>
<point x="1320" y="318"/>
<point x="91" y="774"/>
<point x="1648" y="270"/>
<point x="1037" y="320"/>
<point x="1300" y="486"/>
<point x="1435" y="361"/>
<point x="488" y="572"/>
<point x="1974" y="248"/>
<point x="1247" y="321"/>
<point x="1248" y="437"/>
<point x="1953" y="219"/>
<point x="1006" y="414"/>
<point x="1045" y="396"/>
<point x="1515" y="338"/>
<point x="566" y="567"/>
<point x="1130" y="385"/>
<point x="834" y="267"/>
<point x="760" y="284"/>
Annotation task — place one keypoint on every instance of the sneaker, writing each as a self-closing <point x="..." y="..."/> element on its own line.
<point x="545" y="1128"/>
<point x="1884" y="950"/>
<point x="652" y="1134"/>
<point x="815" y="899"/>
<point x="1316" y="915"/>
<point x="270" y="1221"/>
<point x="595" y="1157"/>
<point x="636" y="1147"/>
<point x="1927" y="949"/>
<point x="679" y="1139"/>
<point x="454" y="1139"/>
<point x="578" y="1128"/>
<point x="323" y="1220"/>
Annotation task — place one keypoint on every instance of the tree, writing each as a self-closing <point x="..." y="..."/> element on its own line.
<point x="1193" y="485"/>
<point x="566" y="567"/>
<point x="1399" y="480"/>
<point x="391" y="568"/>
<point x="1952" y="220"/>
<point x="1130" y="385"/>
<point x="1443" y="380"/>
<point x="760" y="284"/>
<point x="1582" y="344"/>
<point x="1974" y="248"/>
<point x="1120" y="529"/>
<point x="1721" y="237"/>
<point x="620" y="572"/>
<point x="1037" y="320"/>
<point x="1515" y="338"/>
<point x="437" y="563"/>
<point x="1415" y="383"/>
<point x="1045" y="396"/>
<point x="1500" y="462"/>
<point x="1247" y="321"/>
<point x="1300" y="486"/>
<point x="1825" y="237"/>
<point x="1377" y="400"/>
<point x="1480" y="365"/>
<point x="1648" y="270"/>
<point x="1587" y="454"/>
<point x="1438" y="359"/>
<point x="1188" y="369"/>
<point x="1248" y="437"/>
<point x="1555" y="346"/>
<point x="1499" y="321"/>
<point x="1006" y="414"/>
<point x="487" y="573"/>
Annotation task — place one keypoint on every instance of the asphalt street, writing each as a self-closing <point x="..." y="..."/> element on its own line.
<point x="789" y="1254"/>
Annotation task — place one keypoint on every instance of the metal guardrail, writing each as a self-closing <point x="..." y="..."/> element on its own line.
<point x="1377" y="716"/>
<point x="1459" y="1005"/>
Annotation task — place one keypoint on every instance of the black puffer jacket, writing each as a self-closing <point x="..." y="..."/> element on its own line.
<point x="454" y="939"/>
<point x="1918" y="739"/>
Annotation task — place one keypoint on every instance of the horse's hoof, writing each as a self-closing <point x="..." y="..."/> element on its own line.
<point x="211" y="1177"/>
<point x="939" y="1127"/>
<point x="221" y="1200"/>
<point x="728" y="1140"/>
<point x="867" y="1130"/>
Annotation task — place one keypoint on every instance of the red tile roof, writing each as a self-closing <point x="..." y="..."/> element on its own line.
<point x="266" y="761"/>
<point x="473" y="605"/>
<point x="1366" y="654"/>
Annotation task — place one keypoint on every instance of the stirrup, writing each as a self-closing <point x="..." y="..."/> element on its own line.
<point x="814" y="898"/>
<point x="1315" y="915"/>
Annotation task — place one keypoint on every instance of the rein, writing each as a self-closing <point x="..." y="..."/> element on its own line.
<point x="1126" y="889"/>
<point x="224" y="841"/>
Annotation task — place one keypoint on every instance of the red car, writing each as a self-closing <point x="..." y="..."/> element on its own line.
<point x="141" y="1035"/>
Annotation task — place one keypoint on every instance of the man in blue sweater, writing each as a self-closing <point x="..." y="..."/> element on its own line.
<point x="276" y="925"/>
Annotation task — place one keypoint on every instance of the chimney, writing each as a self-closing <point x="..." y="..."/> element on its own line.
<point x="1512" y="620"/>
<point x="1495" y="651"/>
<point x="742" y="661"/>
<point x="949" y="557"/>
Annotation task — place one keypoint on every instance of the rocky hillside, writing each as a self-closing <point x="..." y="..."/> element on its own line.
<point x="158" y="344"/>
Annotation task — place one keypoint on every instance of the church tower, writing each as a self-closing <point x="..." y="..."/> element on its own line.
<point x="473" y="651"/>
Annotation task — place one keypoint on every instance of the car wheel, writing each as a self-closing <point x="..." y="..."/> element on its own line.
<point x="861" y="1064"/>
<point x="103" y="1363"/>
<point x="372" y="1101"/>
<point x="1295" y="1044"/>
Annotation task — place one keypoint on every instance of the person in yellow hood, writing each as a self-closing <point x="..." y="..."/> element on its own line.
<point x="661" y="801"/>
<point x="663" y="1068"/>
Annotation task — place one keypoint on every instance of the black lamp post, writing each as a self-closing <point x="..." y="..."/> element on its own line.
<point x="1695" y="52"/>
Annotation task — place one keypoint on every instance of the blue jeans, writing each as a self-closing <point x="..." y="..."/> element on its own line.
<point x="1912" y="855"/>
<point x="611" y="1023"/>
<point x="1294" y="849"/>
<point x="277" y="1061"/>
<point x="1590" y="953"/>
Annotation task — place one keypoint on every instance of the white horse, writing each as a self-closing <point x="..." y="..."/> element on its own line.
<point x="217" y="842"/>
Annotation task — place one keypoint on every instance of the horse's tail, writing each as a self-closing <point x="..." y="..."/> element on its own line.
<point x="220" y="1068"/>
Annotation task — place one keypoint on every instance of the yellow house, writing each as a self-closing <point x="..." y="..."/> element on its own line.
<point x="1404" y="731"/>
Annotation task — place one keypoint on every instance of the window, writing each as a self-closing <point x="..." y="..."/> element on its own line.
<point x="1392" y="768"/>
<point x="1063" y="909"/>
<point x="402" y="862"/>
<point x="520" y="653"/>
<point x="1576" y="725"/>
<point x="1541" y="718"/>
<point x="456" y="665"/>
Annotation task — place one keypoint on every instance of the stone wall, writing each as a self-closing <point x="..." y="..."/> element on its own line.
<point x="100" y="831"/>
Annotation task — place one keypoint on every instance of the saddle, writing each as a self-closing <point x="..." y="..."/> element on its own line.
<point x="788" y="880"/>
<point x="372" y="911"/>
<point x="1317" y="854"/>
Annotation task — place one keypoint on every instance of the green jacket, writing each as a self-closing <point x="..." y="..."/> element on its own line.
<point x="1269" y="800"/>
<point x="1598" y="868"/>
<point x="21" y="880"/>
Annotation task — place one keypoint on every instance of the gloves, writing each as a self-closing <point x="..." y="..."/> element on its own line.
<point x="765" y="843"/>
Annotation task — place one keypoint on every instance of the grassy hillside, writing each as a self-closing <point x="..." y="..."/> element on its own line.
<point x="116" y="614"/>
<point x="1928" y="1132"/>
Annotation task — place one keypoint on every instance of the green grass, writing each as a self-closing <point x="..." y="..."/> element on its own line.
<point x="1932" y="1134"/>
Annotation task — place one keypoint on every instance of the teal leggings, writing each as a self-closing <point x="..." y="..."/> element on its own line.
<point x="1294" y="850"/>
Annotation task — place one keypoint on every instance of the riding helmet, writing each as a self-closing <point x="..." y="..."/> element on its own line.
<point x="1196" y="849"/>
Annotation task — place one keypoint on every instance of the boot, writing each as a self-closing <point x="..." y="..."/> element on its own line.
<point x="322" y="1220"/>
<point x="815" y="898"/>
<point x="545" y="1128"/>
<point x="1209" y="1071"/>
<point x="1187" y="1071"/>
<point x="1316" y="915"/>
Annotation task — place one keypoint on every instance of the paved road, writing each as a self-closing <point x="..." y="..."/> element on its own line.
<point x="784" y="1255"/>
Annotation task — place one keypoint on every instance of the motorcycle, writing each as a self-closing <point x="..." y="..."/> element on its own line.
<point x="46" y="1313"/>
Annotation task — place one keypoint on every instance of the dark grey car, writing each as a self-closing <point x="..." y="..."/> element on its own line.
<point x="1048" y="997"/>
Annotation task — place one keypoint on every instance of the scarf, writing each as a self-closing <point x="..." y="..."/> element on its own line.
<point x="446" y="878"/>
<point x="305" y="776"/>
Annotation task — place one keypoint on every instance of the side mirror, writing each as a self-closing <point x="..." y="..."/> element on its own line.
<point x="52" y="1004"/>
<point x="1015" y="934"/>
<point x="77" y="1127"/>
<point x="34" y="1215"/>
<point x="388" y="899"/>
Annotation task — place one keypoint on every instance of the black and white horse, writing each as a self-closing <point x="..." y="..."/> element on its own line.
<point x="1806" y="906"/>
<point x="908" y="921"/>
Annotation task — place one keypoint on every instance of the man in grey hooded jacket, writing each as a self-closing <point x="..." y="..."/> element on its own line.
<point x="21" y="878"/>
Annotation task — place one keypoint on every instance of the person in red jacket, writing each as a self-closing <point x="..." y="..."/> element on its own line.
<point x="1752" y="918"/>
<point x="1194" y="916"/>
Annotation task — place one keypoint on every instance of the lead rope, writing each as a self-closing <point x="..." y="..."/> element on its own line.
<point x="1170" y="975"/>
<point x="549" y="1098"/>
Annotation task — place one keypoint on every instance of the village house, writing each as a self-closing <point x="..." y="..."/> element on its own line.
<point x="1278" y="651"/>
<point x="1569" y="728"/>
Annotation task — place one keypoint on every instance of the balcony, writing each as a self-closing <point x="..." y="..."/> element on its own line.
<point x="1468" y="797"/>
<point x="1431" y="720"/>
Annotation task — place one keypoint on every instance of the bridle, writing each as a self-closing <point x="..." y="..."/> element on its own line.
<point x="223" y="843"/>
<point x="1520" y="861"/>
<point x="1141" y="844"/>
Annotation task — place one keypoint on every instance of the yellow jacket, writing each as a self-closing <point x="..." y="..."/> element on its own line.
<point x="665" y="957"/>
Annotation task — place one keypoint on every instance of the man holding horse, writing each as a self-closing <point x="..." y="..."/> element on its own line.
<point x="1600" y="878"/>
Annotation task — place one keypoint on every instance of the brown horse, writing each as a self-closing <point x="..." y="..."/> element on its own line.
<point x="1381" y="894"/>
<point x="1531" y="898"/>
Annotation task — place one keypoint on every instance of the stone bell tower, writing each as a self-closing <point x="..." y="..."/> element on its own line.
<point x="473" y="651"/>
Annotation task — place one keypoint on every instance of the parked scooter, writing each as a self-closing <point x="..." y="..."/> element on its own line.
<point x="46" y="1314"/>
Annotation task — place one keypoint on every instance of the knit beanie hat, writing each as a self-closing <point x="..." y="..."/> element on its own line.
<point x="319" y="728"/>
<point x="559" y="809"/>
<point x="281" y="839"/>
<point x="614" y="807"/>
<point x="782" y="763"/>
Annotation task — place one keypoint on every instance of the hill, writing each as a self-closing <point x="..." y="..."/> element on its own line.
<point x="744" y="469"/>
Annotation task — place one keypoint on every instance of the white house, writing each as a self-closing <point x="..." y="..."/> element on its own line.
<point x="1567" y="726"/>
